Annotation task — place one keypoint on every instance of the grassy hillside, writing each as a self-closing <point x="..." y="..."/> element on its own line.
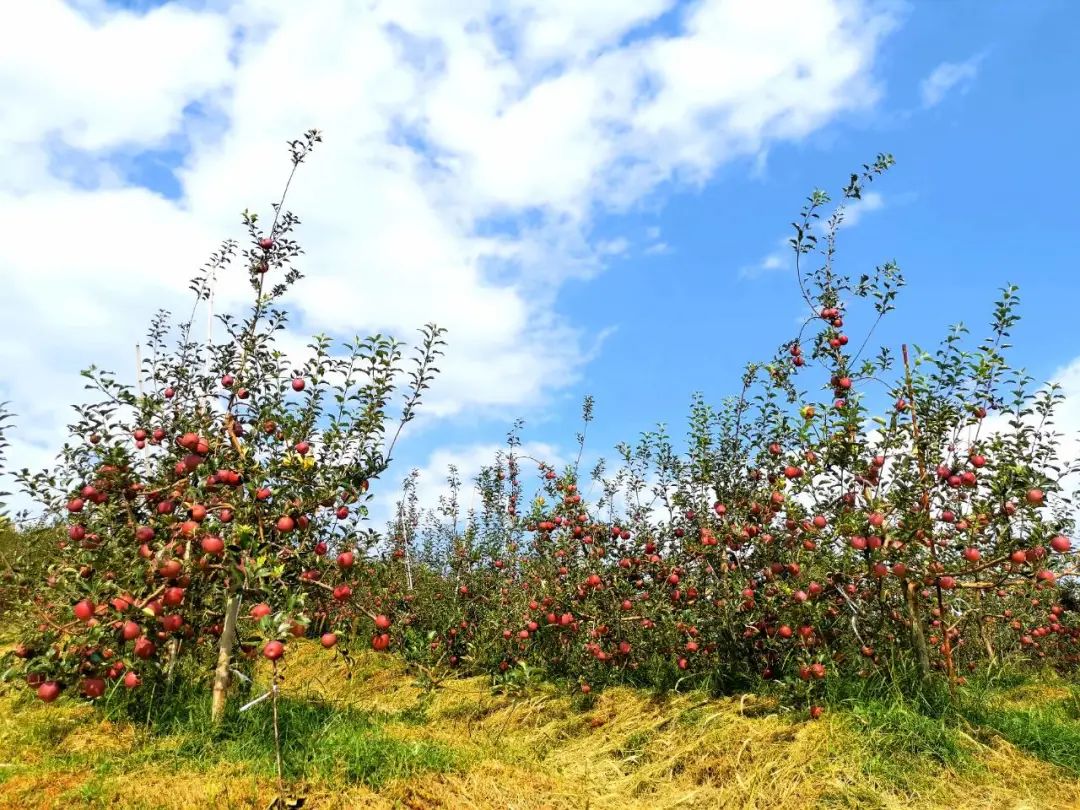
<point x="377" y="740"/>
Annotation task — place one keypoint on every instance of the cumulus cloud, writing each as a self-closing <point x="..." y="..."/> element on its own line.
<point x="469" y="148"/>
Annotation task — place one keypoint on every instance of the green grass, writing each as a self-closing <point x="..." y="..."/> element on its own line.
<point x="1049" y="730"/>
<point x="895" y="739"/>
<point x="899" y="740"/>
<point x="906" y="722"/>
<point x="318" y="741"/>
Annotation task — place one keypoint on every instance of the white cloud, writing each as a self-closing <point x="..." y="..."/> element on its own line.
<point x="437" y="117"/>
<point x="855" y="210"/>
<point x="67" y="80"/>
<point x="612" y="247"/>
<point x="779" y="259"/>
<point x="1066" y="423"/>
<point x="655" y="243"/>
<point x="432" y="483"/>
<point x="948" y="76"/>
<point x="783" y="257"/>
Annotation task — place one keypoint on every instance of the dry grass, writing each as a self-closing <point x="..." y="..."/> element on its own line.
<point x="628" y="750"/>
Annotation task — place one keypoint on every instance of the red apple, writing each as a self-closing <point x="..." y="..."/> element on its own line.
<point x="93" y="688"/>
<point x="213" y="545"/>
<point x="83" y="610"/>
<point x="144" y="648"/>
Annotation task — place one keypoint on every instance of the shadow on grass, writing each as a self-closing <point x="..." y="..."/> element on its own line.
<point x="318" y="740"/>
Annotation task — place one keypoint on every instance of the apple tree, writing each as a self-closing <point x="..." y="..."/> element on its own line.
<point x="217" y="504"/>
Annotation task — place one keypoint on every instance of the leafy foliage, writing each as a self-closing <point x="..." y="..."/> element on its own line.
<point x="223" y="477"/>
<point x="849" y="516"/>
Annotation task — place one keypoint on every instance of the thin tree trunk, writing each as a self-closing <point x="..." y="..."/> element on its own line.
<point x="174" y="653"/>
<point x="222" y="676"/>
<point x="983" y="632"/>
<point x="918" y="638"/>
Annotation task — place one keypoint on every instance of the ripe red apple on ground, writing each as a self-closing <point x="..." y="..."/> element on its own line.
<point x="83" y="610"/>
<point x="93" y="687"/>
<point x="144" y="648"/>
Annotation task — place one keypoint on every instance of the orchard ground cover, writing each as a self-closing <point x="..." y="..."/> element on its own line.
<point x="384" y="738"/>
<point x="850" y="568"/>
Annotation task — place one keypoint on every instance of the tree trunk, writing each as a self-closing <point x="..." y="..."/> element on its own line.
<point x="222" y="676"/>
<point x="983" y="632"/>
<point x="174" y="653"/>
<point x="918" y="638"/>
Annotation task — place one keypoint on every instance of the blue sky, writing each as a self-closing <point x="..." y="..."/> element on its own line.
<point x="984" y="191"/>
